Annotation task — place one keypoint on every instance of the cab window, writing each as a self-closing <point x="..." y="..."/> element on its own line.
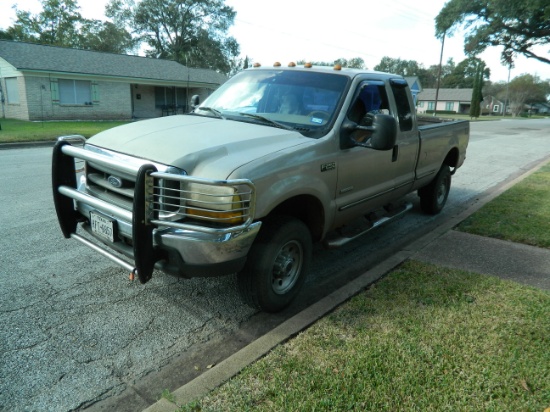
<point x="404" y="112"/>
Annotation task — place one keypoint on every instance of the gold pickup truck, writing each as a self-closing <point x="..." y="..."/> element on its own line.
<point x="274" y="160"/>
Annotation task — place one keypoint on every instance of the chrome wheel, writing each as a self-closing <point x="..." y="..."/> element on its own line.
<point x="277" y="264"/>
<point x="287" y="267"/>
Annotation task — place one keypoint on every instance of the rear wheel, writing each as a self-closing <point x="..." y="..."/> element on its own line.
<point x="277" y="264"/>
<point x="434" y="196"/>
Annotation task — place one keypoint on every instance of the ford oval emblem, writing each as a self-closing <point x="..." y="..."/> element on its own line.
<point x="115" y="181"/>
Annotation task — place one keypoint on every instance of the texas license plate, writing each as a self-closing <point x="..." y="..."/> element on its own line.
<point x="102" y="226"/>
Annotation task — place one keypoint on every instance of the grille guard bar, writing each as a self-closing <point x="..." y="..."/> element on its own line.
<point x="143" y="216"/>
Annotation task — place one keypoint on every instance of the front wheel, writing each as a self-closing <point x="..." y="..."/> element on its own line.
<point x="277" y="264"/>
<point x="434" y="196"/>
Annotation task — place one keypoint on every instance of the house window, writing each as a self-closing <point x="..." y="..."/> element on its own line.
<point x="12" y="90"/>
<point x="165" y="96"/>
<point x="449" y="106"/>
<point x="496" y="108"/>
<point x="420" y="104"/>
<point x="75" y="92"/>
<point x="431" y="105"/>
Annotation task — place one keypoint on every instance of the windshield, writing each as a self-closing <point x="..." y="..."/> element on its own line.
<point x="299" y="100"/>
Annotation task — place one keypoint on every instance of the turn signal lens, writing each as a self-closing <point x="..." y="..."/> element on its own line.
<point x="229" y="218"/>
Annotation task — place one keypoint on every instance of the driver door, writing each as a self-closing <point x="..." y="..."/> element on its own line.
<point x="367" y="178"/>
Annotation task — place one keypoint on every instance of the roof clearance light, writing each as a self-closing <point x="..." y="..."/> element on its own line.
<point x="337" y="67"/>
<point x="277" y="64"/>
<point x="291" y="64"/>
<point x="308" y="65"/>
<point x="257" y="65"/>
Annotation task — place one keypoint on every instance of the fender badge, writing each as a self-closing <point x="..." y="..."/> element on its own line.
<point x="328" y="166"/>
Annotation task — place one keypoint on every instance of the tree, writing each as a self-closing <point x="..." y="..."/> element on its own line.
<point x="518" y="26"/>
<point x="314" y="63"/>
<point x="105" y="36"/>
<point x="428" y="77"/>
<point x="477" y="95"/>
<point x="5" y="35"/>
<point x="464" y="74"/>
<point x="354" y="63"/>
<point x="61" y="24"/>
<point x="399" y="66"/>
<point x="527" y="89"/>
<point x="54" y="25"/>
<point x="238" y="64"/>
<point x="192" y="32"/>
<point x="496" y="89"/>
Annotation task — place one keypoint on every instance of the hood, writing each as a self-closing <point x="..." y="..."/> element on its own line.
<point x="202" y="146"/>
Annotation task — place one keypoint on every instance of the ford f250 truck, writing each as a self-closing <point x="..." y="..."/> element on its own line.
<point x="275" y="159"/>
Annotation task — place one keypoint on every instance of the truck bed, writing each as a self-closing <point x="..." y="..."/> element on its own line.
<point x="437" y="135"/>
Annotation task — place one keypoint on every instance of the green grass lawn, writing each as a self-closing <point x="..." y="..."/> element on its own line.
<point x="521" y="214"/>
<point x="21" y="131"/>
<point x="424" y="338"/>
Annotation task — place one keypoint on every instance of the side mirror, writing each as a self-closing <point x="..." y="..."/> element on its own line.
<point x="195" y="101"/>
<point x="382" y="135"/>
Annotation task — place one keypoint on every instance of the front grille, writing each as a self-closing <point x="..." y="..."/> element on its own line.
<point x="98" y="184"/>
<point x="176" y="197"/>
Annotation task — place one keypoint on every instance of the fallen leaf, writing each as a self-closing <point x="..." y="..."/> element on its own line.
<point x="524" y="385"/>
<point x="210" y="366"/>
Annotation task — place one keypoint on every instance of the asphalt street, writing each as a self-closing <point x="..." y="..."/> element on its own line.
<point x="75" y="333"/>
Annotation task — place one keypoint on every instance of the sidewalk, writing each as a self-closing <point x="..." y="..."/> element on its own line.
<point x="524" y="264"/>
<point x="443" y="246"/>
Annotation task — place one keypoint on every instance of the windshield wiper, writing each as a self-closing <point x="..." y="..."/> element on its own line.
<point x="268" y="120"/>
<point x="216" y="112"/>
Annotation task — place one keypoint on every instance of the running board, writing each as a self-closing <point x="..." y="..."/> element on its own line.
<point x="346" y="235"/>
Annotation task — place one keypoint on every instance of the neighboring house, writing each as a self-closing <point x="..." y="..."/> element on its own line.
<point x="415" y="86"/>
<point x="541" y="108"/>
<point x="40" y="82"/>
<point x="492" y="106"/>
<point x="448" y="100"/>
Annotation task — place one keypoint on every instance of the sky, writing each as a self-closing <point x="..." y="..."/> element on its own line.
<point x="291" y="30"/>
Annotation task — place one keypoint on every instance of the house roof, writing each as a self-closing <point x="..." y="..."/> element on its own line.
<point x="451" y="95"/>
<point x="411" y="80"/>
<point x="42" y="58"/>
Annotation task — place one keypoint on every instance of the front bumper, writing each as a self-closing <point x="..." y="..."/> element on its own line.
<point x="186" y="253"/>
<point x="177" y="248"/>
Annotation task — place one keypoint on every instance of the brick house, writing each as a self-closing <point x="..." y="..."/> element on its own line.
<point x="40" y="82"/>
<point x="448" y="100"/>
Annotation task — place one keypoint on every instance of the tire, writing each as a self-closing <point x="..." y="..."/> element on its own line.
<point x="277" y="264"/>
<point x="434" y="196"/>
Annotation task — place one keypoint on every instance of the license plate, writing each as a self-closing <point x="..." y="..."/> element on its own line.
<point x="102" y="226"/>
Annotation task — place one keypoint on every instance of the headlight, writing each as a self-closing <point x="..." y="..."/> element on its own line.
<point x="220" y="204"/>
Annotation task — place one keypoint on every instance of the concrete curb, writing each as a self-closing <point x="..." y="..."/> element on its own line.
<point x="230" y="367"/>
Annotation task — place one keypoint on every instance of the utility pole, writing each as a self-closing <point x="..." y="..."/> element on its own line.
<point x="439" y="72"/>
<point x="506" y="103"/>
